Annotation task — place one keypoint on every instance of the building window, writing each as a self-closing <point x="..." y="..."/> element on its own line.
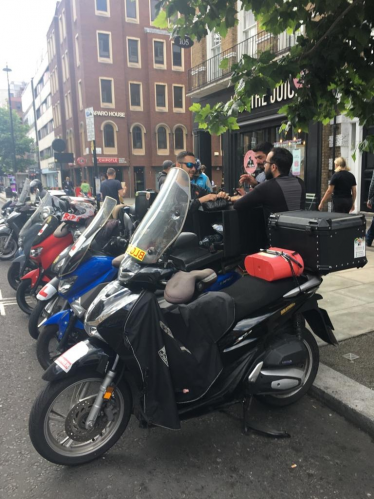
<point x="74" y="10"/>
<point x="109" y="136"/>
<point x="136" y="96"/>
<point x="177" y="61"/>
<point x="80" y="97"/>
<point x="152" y="8"/>
<point x="178" y="98"/>
<point x="162" y="142"/>
<point x="63" y="24"/>
<point x="159" y="54"/>
<point x="133" y="52"/>
<point x="60" y="29"/>
<point x="70" y="105"/>
<point x="82" y="138"/>
<point x="77" y="50"/>
<point x="161" y="98"/>
<point x="56" y="79"/>
<point x="132" y="11"/>
<point x="67" y="107"/>
<point x="179" y="139"/>
<point x="104" y="44"/>
<point x="67" y="65"/>
<point x="63" y="68"/>
<point x="102" y="8"/>
<point x="106" y="92"/>
<point x="137" y="138"/>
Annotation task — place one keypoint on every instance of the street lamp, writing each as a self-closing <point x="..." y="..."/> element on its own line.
<point x="8" y="70"/>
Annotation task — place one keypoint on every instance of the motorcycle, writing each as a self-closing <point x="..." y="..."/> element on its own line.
<point x="52" y="238"/>
<point x="187" y="359"/>
<point x="13" y="223"/>
<point x="99" y="265"/>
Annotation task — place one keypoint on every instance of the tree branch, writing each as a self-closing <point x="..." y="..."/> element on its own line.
<point x="331" y="28"/>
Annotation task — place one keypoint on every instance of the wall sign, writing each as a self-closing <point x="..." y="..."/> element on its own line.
<point x="280" y="94"/>
<point x="184" y="42"/>
<point x="110" y="114"/>
<point x="111" y="161"/>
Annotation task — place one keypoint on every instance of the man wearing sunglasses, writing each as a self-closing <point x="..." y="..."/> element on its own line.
<point x="281" y="192"/>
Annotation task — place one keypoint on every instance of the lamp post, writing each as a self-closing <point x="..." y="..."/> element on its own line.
<point x="8" y="70"/>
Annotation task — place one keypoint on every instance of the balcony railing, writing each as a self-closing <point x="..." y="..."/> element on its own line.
<point x="209" y="71"/>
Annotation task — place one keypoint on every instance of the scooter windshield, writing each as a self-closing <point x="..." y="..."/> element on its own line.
<point x="82" y="244"/>
<point x="163" y="222"/>
<point x="25" y="192"/>
<point x="37" y="216"/>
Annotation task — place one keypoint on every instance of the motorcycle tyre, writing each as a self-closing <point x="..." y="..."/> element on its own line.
<point x="10" y="256"/>
<point x="22" y="290"/>
<point x="47" y="397"/>
<point x="14" y="277"/>
<point x="285" y="400"/>
<point x="35" y="317"/>
<point x="48" y="334"/>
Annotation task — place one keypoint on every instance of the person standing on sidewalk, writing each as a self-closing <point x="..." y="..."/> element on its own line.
<point x="370" y="233"/>
<point x="161" y="177"/>
<point x="342" y="188"/>
<point x="112" y="187"/>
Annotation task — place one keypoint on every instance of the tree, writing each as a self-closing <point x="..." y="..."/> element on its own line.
<point x="333" y="58"/>
<point x="23" y="144"/>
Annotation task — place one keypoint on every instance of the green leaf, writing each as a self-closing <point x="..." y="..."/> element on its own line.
<point x="224" y="64"/>
<point x="195" y="108"/>
<point x="161" y="20"/>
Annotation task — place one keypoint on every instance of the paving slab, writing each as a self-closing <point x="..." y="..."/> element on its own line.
<point x="334" y="300"/>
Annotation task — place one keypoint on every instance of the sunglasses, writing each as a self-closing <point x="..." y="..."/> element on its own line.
<point x="189" y="165"/>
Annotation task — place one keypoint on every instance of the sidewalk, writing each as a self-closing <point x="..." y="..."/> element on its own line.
<point x="128" y="201"/>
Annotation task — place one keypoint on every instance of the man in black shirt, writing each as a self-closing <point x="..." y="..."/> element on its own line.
<point x="112" y="187"/>
<point x="281" y="192"/>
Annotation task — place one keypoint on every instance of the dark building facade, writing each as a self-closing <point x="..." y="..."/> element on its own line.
<point x="107" y="55"/>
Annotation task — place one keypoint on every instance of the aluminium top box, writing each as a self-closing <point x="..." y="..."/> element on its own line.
<point x="327" y="242"/>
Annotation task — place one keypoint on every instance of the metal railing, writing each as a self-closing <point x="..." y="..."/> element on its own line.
<point x="209" y="71"/>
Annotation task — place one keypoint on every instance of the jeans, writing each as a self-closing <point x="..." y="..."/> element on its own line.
<point x="370" y="234"/>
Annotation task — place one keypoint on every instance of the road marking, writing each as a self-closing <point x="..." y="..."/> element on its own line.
<point x="5" y="302"/>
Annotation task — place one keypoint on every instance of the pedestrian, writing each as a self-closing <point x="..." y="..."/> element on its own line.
<point x="258" y="177"/>
<point x="161" y="176"/>
<point x="370" y="233"/>
<point x="281" y="192"/>
<point x="201" y="179"/>
<point x="68" y="187"/>
<point x="85" y="187"/>
<point x="342" y="189"/>
<point x="112" y="187"/>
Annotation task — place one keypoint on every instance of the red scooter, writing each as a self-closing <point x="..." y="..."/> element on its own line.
<point x="52" y="239"/>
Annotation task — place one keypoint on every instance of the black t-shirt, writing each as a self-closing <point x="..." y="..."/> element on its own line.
<point x="343" y="182"/>
<point x="110" y="188"/>
<point x="283" y="193"/>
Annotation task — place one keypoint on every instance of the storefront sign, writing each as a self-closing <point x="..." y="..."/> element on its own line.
<point x="81" y="161"/>
<point x="296" y="165"/>
<point x="280" y="94"/>
<point x="183" y="42"/>
<point x="110" y="114"/>
<point x="90" y="124"/>
<point x="111" y="161"/>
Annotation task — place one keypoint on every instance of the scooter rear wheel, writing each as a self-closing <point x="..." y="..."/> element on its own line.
<point x="26" y="298"/>
<point x="11" y="249"/>
<point x="65" y="404"/>
<point x="310" y="368"/>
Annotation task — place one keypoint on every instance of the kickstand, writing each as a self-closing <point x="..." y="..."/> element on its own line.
<point x="247" y="426"/>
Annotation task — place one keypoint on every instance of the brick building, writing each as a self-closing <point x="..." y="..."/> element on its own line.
<point x="106" y="54"/>
<point x="313" y="152"/>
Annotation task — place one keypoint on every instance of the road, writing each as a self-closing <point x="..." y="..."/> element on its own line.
<point x="325" y="458"/>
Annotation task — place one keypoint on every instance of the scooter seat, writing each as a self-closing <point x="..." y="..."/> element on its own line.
<point x="116" y="262"/>
<point x="252" y="294"/>
<point x="182" y="286"/>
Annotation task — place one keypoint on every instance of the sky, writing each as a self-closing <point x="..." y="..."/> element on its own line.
<point x="23" y="29"/>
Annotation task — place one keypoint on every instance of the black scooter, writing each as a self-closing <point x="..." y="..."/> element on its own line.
<point x="169" y="360"/>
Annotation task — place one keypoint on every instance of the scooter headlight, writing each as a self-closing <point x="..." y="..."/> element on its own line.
<point x="92" y="332"/>
<point x="36" y="252"/>
<point x="66" y="284"/>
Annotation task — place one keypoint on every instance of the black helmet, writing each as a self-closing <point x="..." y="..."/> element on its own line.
<point x="35" y="186"/>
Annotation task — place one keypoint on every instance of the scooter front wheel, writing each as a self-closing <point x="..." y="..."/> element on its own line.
<point x="26" y="296"/>
<point x="14" y="277"/>
<point x="11" y="249"/>
<point x="47" y="346"/>
<point x="57" y="420"/>
<point x="39" y="313"/>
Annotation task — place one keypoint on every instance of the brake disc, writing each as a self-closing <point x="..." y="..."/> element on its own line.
<point x="75" y="423"/>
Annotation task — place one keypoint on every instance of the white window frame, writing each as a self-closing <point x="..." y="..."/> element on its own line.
<point x="132" y="19"/>
<point x="60" y="28"/>
<point x="163" y="152"/>
<point x="132" y="107"/>
<point x="103" y="13"/>
<point x="77" y="51"/>
<point x="111" y="105"/>
<point x="80" y="95"/>
<point x="157" y="108"/>
<point x="74" y="5"/>
<point x="67" y="72"/>
<point x="56" y="78"/>
<point x="134" y="64"/>
<point x="67" y="107"/>
<point x="110" y="150"/>
<point x="53" y="43"/>
<point x="138" y="152"/>
<point x="64" y="23"/>
<point x="104" y="60"/>
<point x="159" y="66"/>
<point x="180" y="109"/>
<point x="176" y="68"/>
<point x="63" y="68"/>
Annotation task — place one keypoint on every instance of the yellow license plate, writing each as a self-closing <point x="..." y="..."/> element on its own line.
<point x="135" y="252"/>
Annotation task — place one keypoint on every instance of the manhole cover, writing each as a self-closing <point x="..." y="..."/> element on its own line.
<point x="351" y="356"/>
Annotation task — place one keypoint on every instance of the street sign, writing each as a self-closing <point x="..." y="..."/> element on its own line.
<point x="81" y="161"/>
<point x="90" y="123"/>
<point x="184" y="42"/>
<point x="64" y="157"/>
<point x="59" y="145"/>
